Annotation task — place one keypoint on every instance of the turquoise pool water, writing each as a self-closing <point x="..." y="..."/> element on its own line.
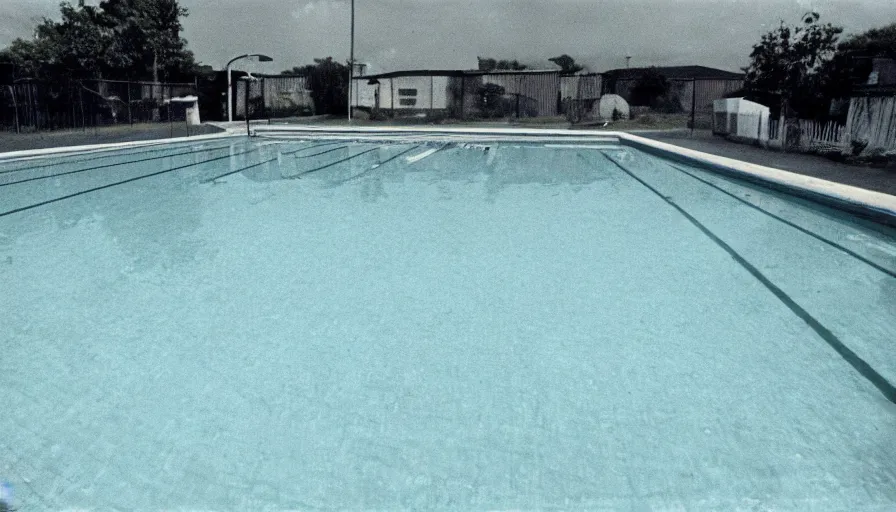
<point x="257" y="323"/>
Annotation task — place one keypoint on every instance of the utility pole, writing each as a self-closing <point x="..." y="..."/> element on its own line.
<point x="351" y="63"/>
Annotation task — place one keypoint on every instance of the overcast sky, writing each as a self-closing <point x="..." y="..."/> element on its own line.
<point x="443" y="34"/>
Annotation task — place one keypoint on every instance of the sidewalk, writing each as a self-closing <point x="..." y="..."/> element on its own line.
<point x="871" y="178"/>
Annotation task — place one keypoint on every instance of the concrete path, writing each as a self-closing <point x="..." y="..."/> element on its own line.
<point x="871" y="178"/>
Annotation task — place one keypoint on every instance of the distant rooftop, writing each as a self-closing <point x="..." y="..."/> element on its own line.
<point x="456" y="72"/>
<point x="675" y="72"/>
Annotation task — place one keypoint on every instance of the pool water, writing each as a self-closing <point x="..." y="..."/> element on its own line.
<point x="251" y="323"/>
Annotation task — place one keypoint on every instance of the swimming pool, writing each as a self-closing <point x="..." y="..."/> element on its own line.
<point x="383" y="321"/>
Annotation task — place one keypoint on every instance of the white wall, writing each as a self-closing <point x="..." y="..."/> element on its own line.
<point x="421" y="84"/>
<point x="745" y="119"/>
<point x="363" y="94"/>
<point x="432" y="92"/>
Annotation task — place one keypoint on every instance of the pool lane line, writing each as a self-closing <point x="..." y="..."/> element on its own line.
<point x="384" y="162"/>
<point x="110" y="185"/>
<point x="859" y="364"/>
<point x="106" y="166"/>
<point x="322" y="152"/>
<point x="331" y="164"/>
<point x="106" y="154"/>
<point x="209" y="180"/>
<point x="818" y="237"/>
<point x="111" y="154"/>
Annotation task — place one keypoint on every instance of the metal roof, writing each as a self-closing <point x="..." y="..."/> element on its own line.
<point x="675" y="72"/>
<point x="457" y="72"/>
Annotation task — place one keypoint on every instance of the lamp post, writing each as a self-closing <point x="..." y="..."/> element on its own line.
<point x="261" y="58"/>
<point x="351" y="62"/>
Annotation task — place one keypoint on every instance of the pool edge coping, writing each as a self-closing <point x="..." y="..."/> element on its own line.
<point x="109" y="146"/>
<point x="867" y="203"/>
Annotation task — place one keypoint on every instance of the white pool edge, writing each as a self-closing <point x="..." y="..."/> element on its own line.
<point x="859" y="200"/>
<point x="111" y="146"/>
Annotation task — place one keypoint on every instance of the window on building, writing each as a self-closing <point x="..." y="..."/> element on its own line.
<point x="407" y="102"/>
<point x="407" y="92"/>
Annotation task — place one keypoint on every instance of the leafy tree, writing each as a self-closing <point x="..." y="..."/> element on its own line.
<point x="137" y="39"/>
<point x="877" y="42"/>
<point x="788" y="62"/>
<point x="76" y="46"/>
<point x="650" y="88"/>
<point x="852" y="64"/>
<point x="148" y="32"/>
<point x="491" y="100"/>
<point x="567" y="64"/>
<point x="328" y="81"/>
<point x="489" y="64"/>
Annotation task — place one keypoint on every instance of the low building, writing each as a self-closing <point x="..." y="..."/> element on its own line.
<point x="457" y="93"/>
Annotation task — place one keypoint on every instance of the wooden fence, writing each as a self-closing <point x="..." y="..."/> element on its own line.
<point x="808" y="135"/>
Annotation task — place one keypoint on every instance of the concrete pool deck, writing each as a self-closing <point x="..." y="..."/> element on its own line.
<point x="871" y="178"/>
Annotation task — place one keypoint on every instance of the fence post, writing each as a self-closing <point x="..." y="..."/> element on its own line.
<point x="759" y="129"/>
<point x="264" y="110"/>
<point x="463" y="86"/>
<point x="170" y="104"/>
<point x="130" y="115"/>
<point x="782" y="123"/>
<point x="15" y="107"/>
<point x="694" y="105"/>
<point x="248" y="132"/>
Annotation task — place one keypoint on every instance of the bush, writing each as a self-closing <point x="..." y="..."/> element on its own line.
<point x="650" y="86"/>
<point x="491" y="102"/>
<point x="617" y="115"/>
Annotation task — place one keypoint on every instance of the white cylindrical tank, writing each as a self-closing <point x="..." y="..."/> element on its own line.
<point x="611" y="102"/>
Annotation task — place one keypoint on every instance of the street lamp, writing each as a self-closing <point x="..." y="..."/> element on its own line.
<point x="261" y="58"/>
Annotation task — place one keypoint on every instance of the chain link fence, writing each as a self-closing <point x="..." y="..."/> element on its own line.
<point x="29" y="106"/>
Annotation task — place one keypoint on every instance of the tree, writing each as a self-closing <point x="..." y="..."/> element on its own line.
<point x="877" y="42"/>
<point x="650" y="88"/>
<point x="137" y="39"/>
<point x="788" y="62"/>
<point x="489" y="64"/>
<point x="76" y="46"/>
<point x="567" y="64"/>
<point x="328" y="81"/>
<point x="148" y="31"/>
<point x="491" y="100"/>
<point x="852" y="62"/>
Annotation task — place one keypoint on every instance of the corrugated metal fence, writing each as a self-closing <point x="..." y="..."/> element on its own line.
<point x="274" y="96"/>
